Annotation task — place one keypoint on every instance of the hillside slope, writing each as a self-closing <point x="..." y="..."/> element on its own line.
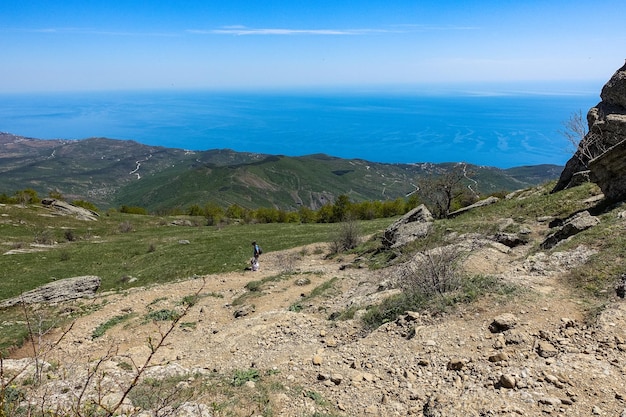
<point x="113" y="173"/>
<point x="269" y="342"/>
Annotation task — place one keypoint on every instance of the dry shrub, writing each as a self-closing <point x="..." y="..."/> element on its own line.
<point x="346" y="237"/>
<point x="126" y="227"/>
<point x="44" y="237"/>
<point x="287" y="262"/>
<point x="434" y="272"/>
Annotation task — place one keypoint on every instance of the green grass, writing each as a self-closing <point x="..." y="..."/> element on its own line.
<point x="240" y="377"/>
<point x="161" y="315"/>
<point x="102" y="328"/>
<point x="255" y="288"/>
<point x="149" y="254"/>
<point x="323" y="289"/>
<point x="471" y="289"/>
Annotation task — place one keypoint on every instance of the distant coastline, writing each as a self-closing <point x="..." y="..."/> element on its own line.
<point x="483" y="127"/>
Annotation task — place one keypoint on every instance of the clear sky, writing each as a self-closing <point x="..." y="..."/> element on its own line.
<point x="57" y="45"/>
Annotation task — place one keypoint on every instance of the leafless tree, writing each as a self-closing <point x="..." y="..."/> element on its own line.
<point x="587" y="145"/>
<point x="440" y="190"/>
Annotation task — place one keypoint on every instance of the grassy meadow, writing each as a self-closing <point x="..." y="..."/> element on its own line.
<point x="127" y="250"/>
<point x="134" y="250"/>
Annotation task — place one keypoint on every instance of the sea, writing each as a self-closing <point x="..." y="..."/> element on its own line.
<point x="479" y="125"/>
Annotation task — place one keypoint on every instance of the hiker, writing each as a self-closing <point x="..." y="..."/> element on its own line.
<point x="255" y="256"/>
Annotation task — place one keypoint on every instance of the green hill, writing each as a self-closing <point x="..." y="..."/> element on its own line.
<point x="112" y="173"/>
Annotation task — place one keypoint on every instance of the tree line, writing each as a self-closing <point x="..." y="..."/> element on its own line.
<point x="341" y="209"/>
<point x="442" y="194"/>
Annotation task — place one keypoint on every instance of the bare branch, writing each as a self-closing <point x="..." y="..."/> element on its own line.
<point x="154" y="348"/>
<point x="587" y="145"/>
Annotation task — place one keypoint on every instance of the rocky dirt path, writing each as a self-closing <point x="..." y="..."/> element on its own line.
<point x="544" y="359"/>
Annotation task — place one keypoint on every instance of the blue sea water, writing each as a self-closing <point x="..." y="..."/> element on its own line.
<point x="503" y="130"/>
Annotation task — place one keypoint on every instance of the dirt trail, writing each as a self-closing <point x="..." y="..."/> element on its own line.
<point x="402" y="368"/>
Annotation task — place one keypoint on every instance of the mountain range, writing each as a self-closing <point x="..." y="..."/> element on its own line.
<point x="109" y="173"/>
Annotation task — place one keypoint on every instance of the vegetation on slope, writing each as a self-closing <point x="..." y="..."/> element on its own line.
<point x="112" y="173"/>
<point x="444" y="282"/>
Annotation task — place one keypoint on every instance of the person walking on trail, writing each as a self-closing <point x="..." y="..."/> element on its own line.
<point x="255" y="256"/>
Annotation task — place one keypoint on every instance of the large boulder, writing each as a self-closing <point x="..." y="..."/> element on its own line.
<point x="58" y="291"/>
<point x="609" y="171"/>
<point x="413" y="225"/>
<point x="607" y="128"/>
<point x="614" y="91"/>
<point x="482" y="203"/>
<point x="572" y="226"/>
<point x="66" y="209"/>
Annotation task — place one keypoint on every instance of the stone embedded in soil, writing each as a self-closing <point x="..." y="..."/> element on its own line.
<point x="503" y="322"/>
<point x="546" y="349"/>
<point x="507" y="381"/>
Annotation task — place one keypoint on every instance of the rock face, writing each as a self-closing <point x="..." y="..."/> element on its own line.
<point x="574" y="225"/>
<point x="608" y="171"/>
<point x="58" y="291"/>
<point x="482" y="203"/>
<point x="413" y="225"/>
<point x="65" y="208"/>
<point x="600" y="149"/>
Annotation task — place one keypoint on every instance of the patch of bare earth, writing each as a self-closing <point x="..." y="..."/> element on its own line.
<point x="549" y="362"/>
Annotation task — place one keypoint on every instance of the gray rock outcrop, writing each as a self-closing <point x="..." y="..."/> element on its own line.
<point x="609" y="170"/>
<point x="601" y="151"/>
<point x="572" y="226"/>
<point x="413" y="225"/>
<point x="482" y="203"/>
<point x="66" y="209"/>
<point x="58" y="291"/>
<point x="510" y="240"/>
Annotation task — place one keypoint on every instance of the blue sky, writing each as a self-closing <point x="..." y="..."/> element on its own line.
<point x="51" y="45"/>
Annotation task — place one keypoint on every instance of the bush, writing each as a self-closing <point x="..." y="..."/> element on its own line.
<point x="69" y="235"/>
<point x="126" y="227"/>
<point x="241" y="377"/>
<point x="86" y="205"/>
<point x="434" y="272"/>
<point x="133" y="210"/>
<point x="5" y="199"/>
<point x="27" y="196"/>
<point x="346" y="237"/>
<point x="44" y="237"/>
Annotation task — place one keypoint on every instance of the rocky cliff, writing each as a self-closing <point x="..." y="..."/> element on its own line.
<point x="599" y="151"/>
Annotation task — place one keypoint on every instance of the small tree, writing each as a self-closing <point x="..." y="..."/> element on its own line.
<point x="341" y="209"/>
<point x="27" y="196"/>
<point x="587" y="145"/>
<point x="213" y="213"/>
<point x="307" y="215"/>
<point x="195" y="210"/>
<point x="438" y="192"/>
